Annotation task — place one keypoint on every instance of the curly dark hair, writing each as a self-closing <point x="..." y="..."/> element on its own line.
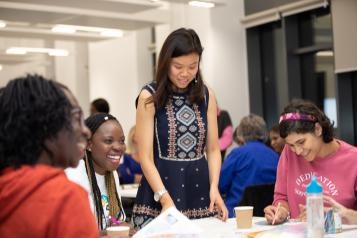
<point x="179" y="43"/>
<point x="101" y="105"/>
<point x="306" y="126"/>
<point x="33" y="109"/>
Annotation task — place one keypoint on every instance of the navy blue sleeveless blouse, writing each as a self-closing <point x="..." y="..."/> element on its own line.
<point x="179" y="155"/>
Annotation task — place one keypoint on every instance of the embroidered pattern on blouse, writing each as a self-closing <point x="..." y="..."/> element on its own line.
<point x="146" y="210"/>
<point x="173" y="158"/>
<point x="186" y="132"/>
<point x="201" y="130"/>
<point x="172" y="129"/>
<point x="190" y="213"/>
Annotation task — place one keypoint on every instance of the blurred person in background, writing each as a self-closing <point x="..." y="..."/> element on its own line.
<point x="225" y="131"/>
<point x="252" y="163"/>
<point x="99" y="105"/>
<point x="276" y="142"/>
<point x="129" y="169"/>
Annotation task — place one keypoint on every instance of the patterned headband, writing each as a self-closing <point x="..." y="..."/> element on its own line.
<point x="295" y="116"/>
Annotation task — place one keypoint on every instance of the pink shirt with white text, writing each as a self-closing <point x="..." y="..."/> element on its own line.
<point x="337" y="173"/>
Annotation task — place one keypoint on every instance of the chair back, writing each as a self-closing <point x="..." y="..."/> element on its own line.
<point x="258" y="196"/>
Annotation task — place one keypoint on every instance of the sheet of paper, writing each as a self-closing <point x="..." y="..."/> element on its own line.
<point x="170" y="223"/>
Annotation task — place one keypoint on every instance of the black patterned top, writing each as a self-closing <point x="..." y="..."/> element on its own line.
<point x="179" y="154"/>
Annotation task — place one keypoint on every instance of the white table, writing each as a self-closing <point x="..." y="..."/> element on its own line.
<point x="214" y="228"/>
<point x="128" y="190"/>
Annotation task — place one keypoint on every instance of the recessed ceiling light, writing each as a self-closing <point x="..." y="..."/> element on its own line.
<point x="201" y="4"/>
<point x="108" y="32"/>
<point x="112" y="33"/>
<point x="326" y="53"/>
<point x="16" y="51"/>
<point x="2" y="24"/>
<point x="58" y="52"/>
<point x="0" y="67"/>
<point x="25" y="50"/>
<point x="64" y="29"/>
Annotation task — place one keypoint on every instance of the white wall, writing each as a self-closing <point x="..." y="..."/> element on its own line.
<point x="72" y="70"/>
<point x="228" y="60"/>
<point x="116" y="67"/>
<point x="15" y="66"/>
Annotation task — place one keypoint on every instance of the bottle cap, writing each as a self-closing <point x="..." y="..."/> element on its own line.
<point x="314" y="186"/>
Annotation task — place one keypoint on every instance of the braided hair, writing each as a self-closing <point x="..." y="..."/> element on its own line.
<point x="32" y="110"/>
<point x="115" y="207"/>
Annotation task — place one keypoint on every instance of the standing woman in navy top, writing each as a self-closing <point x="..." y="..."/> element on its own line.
<point x="177" y="138"/>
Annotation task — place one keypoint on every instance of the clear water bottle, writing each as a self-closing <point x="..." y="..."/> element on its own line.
<point x="314" y="210"/>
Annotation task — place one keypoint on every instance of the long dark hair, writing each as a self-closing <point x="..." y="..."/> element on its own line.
<point x="115" y="207"/>
<point x="179" y="43"/>
<point x="306" y="126"/>
<point x="32" y="110"/>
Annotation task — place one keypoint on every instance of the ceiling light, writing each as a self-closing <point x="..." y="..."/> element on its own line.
<point x="58" y="52"/>
<point x="108" y="32"/>
<point x="63" y="29"/>
<point x="16" y="51"/>
<point x="201" y="4"/>
<point x="111" y="33"/>
<point x="0" y="67"/>
<point x="326" y="53"/>
<point x="25" y="50"/>
<point x="2" y="24"/>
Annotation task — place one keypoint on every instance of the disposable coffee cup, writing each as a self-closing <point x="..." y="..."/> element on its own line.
<point x="117" y="230"/>
<point x="244" y="215"/>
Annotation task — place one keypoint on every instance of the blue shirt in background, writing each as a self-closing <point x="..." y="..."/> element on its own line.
<point x="128" y="169"/>
<point x="253" y="163"/>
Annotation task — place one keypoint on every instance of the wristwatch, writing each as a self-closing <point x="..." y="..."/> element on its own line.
<point x="159" y="194"/>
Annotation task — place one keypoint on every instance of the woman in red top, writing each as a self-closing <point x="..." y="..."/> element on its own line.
<point x="41" y="133"/>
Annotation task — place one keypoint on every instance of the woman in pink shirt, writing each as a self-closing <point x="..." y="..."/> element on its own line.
<point x="311" y="149"/>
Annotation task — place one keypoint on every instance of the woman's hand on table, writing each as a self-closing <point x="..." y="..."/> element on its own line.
<point x="276" y="215"/>
<point x="216" y="199"/>
<point x="348" y="216"/>
<point x="302" y="214"/>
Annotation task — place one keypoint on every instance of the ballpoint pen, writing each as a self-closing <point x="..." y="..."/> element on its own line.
<point x="276" y="212"/>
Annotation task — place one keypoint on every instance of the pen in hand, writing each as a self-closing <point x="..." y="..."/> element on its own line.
<point x="276" y="212"/>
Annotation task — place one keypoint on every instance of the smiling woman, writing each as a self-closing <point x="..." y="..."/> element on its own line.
<point x="97" y="171"/>
<point x="39" y="137"/>
<point x="311" y="150"/>
<point x="177" y="136"/>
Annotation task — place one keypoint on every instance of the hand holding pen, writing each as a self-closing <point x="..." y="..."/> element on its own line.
<point x="276" y="214"/>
